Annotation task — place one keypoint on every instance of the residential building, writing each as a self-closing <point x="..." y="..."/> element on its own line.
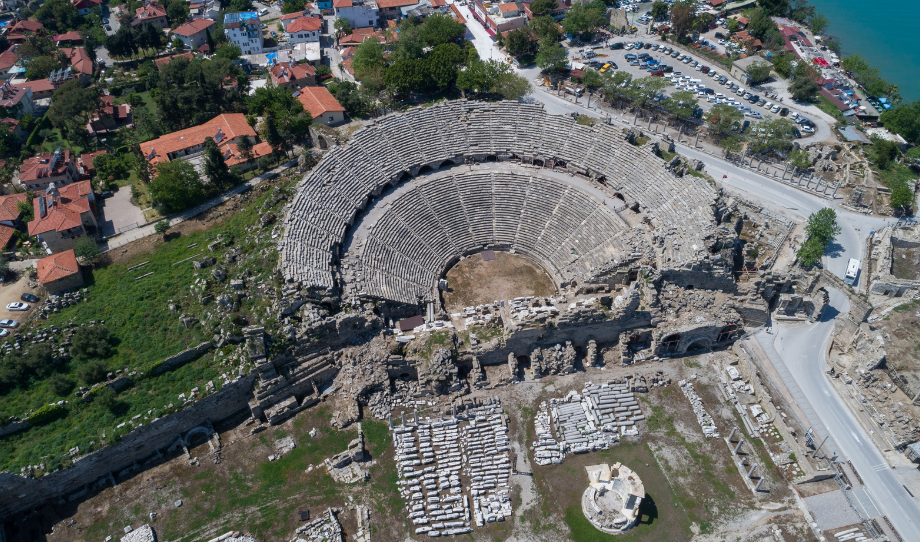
<point x="10" y="217"/>
<point x="16" y="32"/>
<point x="63" y="216"/>
<point x="740" y="67"/>
<point x="193" y="34"/>
<point x="321" y="105"/>
<point x="150" y="13"/>
<point x="558" y="13"/>
<point x="293" y="75"/>
<point x="16" y="99"/>
<point x="224" y="129"/>
<point x="68" y="38"/>
<point x="8" y="59"/>
<point x="41" y="170"/>
<point x="324" y="5"/>
<point x="233" y="158"/>
<point x="358" y="13"/>
<point x="80" y="62"/>
<point x="360" y="35"/>
<point x="59" y="272"/>
<point x="499" y="18"/>
<point x="40" y="88"/>
<point x="303" y="29"/>
<point x="85" y="163"/>
<point x="84" y="7"/>
<point x="390" y="9"/>
<point x="424" y="9"/>
<point x="208" y="9"/>
<point x="244" y="31"/>
<point x="109" y="117"/>
<point x="12" y="125"/>
<point x="160" y="62"/>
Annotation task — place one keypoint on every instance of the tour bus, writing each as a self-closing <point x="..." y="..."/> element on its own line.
<point x="852" y="271"/>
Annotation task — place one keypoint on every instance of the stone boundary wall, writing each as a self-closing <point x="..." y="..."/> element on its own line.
<point x="180" y="358"/>
<point x="18" y="494"/>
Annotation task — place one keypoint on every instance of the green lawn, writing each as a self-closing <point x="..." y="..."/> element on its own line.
<point x="56" y="141"/>
<point x="145" y="331"/>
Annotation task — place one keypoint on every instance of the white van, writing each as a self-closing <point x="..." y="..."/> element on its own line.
<point x="263" y="11"/>
<point x="852" y="271"/>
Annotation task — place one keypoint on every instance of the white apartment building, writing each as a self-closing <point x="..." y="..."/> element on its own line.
<point x="244" y="31"/>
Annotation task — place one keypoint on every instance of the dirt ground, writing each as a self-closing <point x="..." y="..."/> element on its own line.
<point x="901" y="329"/>
<point x="10" y="292"/>
<point x="474" y="281"/>
<point x="905" y="263"/>
<point x="693" y="489"/>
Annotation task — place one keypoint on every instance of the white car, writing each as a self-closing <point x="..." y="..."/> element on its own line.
<point x="768" y="106"/>
<point x="807" y="129"/>
<point x="9" y="323"/>
<point x="4" y="332"/>
<point x="17" y="306"/>
<point x="774" y="109"/>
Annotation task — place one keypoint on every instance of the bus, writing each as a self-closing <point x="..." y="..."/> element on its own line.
<point x="852" y="271"/>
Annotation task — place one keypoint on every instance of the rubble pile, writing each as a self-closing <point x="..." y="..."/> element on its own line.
<point x="55" y="302"/>
<point x="141" y="534"/>
<point x="709" y="427"/>
<point x="325" y="528"/>
<point x="440" y="373"/>
<point x="345" y="467"/>
<point x="362" y="380"/>
<point x="432" y="455"/>
<point x="545" y="449"/>
<point x="596" y="419"/>
<point x="553" y="360"/>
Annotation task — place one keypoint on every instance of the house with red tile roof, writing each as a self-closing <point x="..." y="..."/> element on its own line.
<point x="59" y="272"/>
<point x="303" y="29"/>
<point x="193" y="34"/>
<point x="359" y="35"/>
<point x="80" y="62"/>
<point x="224" y="129"/>
<point x="390" y="9"/>
<point x="150" y="13"/>
<point x="16" y="32"/>
<point x="68" y="38"/>
<point x="84" y="7"/>
<point x="10" y="216"/>
<point x="321" y="105"/>
<point x="40" y="88"/>
<point x="63" y="216"/>
<point x="109" y="117"/>
<point x="38" y="172"/>
<point x="8" y="59"/>
<point x="16" y="98"/>
<point x="291" y="75"/>
<point x="234" y="158"/>
<point x="160" y="62"/>
<point x="85" y="163"/>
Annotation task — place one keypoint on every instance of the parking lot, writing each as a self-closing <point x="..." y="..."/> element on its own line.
<point x="684" y="71"/>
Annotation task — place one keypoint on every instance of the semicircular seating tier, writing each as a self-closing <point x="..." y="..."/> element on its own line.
<point x="396" y="147"/>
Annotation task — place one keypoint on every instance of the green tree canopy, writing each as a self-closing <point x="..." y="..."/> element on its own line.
<point x="551" y="56"/>
<point x="581" y="19"/>
<point x="521" y="41"/>
<point x="93" y="342"/>
<point x="439" y="29"/>
<point x="659" y="9"/>
<point x="822" y="225"/>
<point x="541" y="8"/>
<point x="72" y="105"/>
<point x="59" y="16"/>
<point x="177" y="185"/>
<point x="215" y="167"/>
<point x="681" y="104"/>
<point x="904" y="120"/>
<point x="803" y="89"/>
<point x="293" y="6"/>
<point x="545" y="27"/>
<point x="682" y="16"/>
<point x="759" y="71"/>
<point x="723" y="120"/>
<point x="368" y="57"/>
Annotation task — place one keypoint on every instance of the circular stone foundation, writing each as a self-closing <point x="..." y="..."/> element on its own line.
<point x="476" y="280"/>
<point x="611" y="501"/>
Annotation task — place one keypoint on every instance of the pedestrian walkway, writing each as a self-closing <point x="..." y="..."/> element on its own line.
<point x="148" y="229"/>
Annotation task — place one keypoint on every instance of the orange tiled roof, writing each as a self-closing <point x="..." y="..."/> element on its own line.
<point x="286" y="73"/>
<point x="87" y="158"/>
<point x="395" y="3"/>
<point x="9" y="206"/>
<point x="150" y="11"/>
<point x="160" y="62"/>
<point x="305" y="24"/>
<point x="63" y="214"/>
<point x="33" y="167"/>
<point x="8" y="59"/>
<point x="341" y="3"/>
<point x="73" y="35"/>
<point x="193" y="27"/>
<point x="57" y="266"/>
<point x="318" y="100"/>
<point x="290" y="16"/>
<point x="78" y="59"/>
<point x="6" y="233"/>
<point x="10" y="123"/>
<point x="232" y="156"/>
<point x="27" y="25"/>
<point x="39" y="85"/>
<point x="232" y="125"/>
<point x="508" y="7"/>
<point x="360" y="35"/>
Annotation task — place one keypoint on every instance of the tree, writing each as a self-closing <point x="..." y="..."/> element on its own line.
<point x="774" y="8"/>
<point x="106" y="399"/>
<point x="511" y="86"/>
<point x="659" y="9"/>
<point x="810" y="252"/>
<point x="42" y="66"/>
<point x="342" y="28"/>
<point x="177" y="12"/>
<point x="71" y="105"/>
<point x="272" y="135"/>
<point x="904" y="120"/>
<point x="798" y="159"/>
<point x="551" y="56"/>
<point x="60" y="385"/>
<point x="90" y="44"/>
<point x="545" y="28"/>
<point x="177" y="185"/>
<point x="734" y="25"/>
<point x="818" y="23"/>
<point x="59" y="16"/>
<point x="855" y="64"/>
<point x="92" y="372"/>
<point x="93" y="342"/>
<point x="245" y="149"/>
<point x="215" y="167"/>
<point x="162" y="226"/>
<point x="440" y="29"/>
<point x="822" y="225"/>
<point x="368" y="57"/>
<point x="581" y="19"/>
<point x="229" y="51"/>
<point x="682" y="16"/>
<point x="520" y="41"/>
<point x="293" y="6"/>
<point x="758" y="71"/>
<point x="681" y="104"/>
<point x="772" y="135"/>
<point x="591" y="78"/>
<point x="541" y="8"/>
<point x="86" y="249"/>
<point x="803" y="89"/>
<point x="902" y="197"/>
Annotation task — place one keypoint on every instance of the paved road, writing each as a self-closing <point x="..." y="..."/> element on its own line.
<point x="801" y="356"/>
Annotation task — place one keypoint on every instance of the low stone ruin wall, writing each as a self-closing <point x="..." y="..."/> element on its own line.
<point x="18" y="494"/>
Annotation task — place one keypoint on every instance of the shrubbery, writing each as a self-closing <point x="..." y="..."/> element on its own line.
<point x="47" y="413"/>
<point x="92" y="342"/>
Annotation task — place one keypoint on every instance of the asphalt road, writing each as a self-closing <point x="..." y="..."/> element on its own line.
<point x="801" y="349"/>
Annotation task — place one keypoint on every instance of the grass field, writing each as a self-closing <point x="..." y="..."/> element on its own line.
<point x="145" y="331"/>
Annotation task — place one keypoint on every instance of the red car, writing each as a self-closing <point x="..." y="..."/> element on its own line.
<point x="658" y="73"/>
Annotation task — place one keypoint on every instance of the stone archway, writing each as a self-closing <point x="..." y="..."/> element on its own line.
<point x="670" y="344"/>
<point x="197" y="436"/>
<point x="701" y="344"/>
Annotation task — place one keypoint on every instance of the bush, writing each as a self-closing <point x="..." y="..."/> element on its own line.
<point x="106" y="399"/>
<point x="60" y="384"/>
<point x="92" y="372"/>
<point x="86" y="249"/>
<point x="91" y="343"/>
<point x="47" y="413"/>
<point x="161" y="227"/>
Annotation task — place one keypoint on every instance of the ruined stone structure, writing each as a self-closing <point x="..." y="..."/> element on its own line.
<point x="894" y="255"/>
<point x="611" y="502"/>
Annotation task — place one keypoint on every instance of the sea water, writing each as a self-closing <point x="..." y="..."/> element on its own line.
<point x="886" y="34"/>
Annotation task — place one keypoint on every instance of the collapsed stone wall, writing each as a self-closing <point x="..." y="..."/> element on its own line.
<point x="97" y="469"/>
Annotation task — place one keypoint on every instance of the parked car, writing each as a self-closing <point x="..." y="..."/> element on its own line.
<point x="105" y="20"/>
<point x="109" y="28"/>
<point x="29" y="297"/>
<point x="9" y="323"/>
<point x="808" y="129"/>
<point x="705" y="69"/>
<point x="17" y="306"/>
<point x="783" y="111"/>
<point x="658" y="73"/>
<point x="604" y="68"/>
<point x="105" y="194"/>
<point x="4" y="332"/>
<point x="797" y="133"/>
<point x="774" y="109"/>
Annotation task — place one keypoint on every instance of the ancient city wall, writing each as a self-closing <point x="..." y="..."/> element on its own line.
<point x="94" y="470"/>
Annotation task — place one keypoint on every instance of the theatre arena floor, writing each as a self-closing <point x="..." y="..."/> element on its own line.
<point x="475" y="281"/>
